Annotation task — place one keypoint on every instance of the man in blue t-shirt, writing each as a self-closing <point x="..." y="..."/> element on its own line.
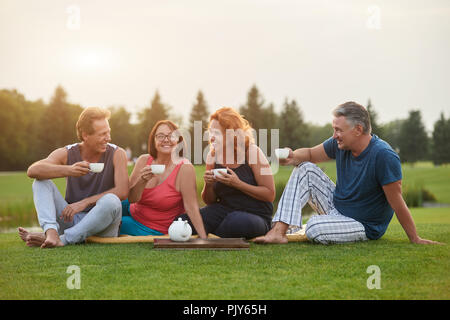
<point x="367" y="192"/>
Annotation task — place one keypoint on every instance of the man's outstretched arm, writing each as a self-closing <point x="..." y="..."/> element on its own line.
<point x="315" y="155"/>
<point x="393" y="192"/>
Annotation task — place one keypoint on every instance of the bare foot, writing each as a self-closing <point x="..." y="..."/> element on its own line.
<point x="23" y="233"/>
<point x="276" y="235"/>
<point x="52" y="239"/>
<point x="39" y="239"/>
<point x="272" y="237"/>
<point x="35" y="239"/>
<point x="31" y="237"/>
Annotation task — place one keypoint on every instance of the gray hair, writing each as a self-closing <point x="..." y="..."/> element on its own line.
<point x="355" y="114"/>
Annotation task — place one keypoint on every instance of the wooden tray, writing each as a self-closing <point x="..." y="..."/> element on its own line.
<point x="207" y="244"/>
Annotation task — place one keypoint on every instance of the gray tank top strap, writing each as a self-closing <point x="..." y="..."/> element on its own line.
<point x="79" y="188"/>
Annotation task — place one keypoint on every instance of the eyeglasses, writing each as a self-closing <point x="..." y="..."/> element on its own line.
<point x="171" y="137"/>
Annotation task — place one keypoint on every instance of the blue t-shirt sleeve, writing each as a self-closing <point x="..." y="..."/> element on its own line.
<point x="388" y="167"/>
<point x="330" y="146"/>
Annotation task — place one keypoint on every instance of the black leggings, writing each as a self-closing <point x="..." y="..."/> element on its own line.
<point x="227" y="223"/>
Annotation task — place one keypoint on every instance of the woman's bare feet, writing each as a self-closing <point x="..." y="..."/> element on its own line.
<point x="276" y="235"/>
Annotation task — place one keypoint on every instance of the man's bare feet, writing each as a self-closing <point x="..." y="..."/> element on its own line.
<point x="39" y="239"/>
<point x="32" y="237"/>
<point x="276" y="235"/>
<point x="35" y="239"/>
<point x="23" y="233"/>
<point x="52" y="239"/>
<point x="271" y="237"/>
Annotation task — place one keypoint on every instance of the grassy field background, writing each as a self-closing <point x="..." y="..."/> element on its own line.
<point x="292" y="271"/>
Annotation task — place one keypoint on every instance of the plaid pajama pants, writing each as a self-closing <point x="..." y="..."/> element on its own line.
<point x="309" y="184"/>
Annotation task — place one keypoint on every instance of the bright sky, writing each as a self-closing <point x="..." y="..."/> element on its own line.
<point x="321" y="53"/>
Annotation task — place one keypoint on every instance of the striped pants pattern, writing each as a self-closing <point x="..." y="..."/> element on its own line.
<point x="309" y="184"/>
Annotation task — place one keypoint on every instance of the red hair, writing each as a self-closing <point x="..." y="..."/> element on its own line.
<point x="229" y="118"/>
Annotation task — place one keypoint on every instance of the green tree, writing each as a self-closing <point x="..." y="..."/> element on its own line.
<point x="376" y="127"/>
<point x="260" y="117"/>
<point x="318" y="134"/>
<point x="253" y="110"/>
<point x="199" y="112"/>
<point x="13" y="139"/>
<point x="413" y="139"/>
<point x="122" y="131"/>
<point x="270" y="118"/>
<point x="149" y="117"/>
<point x="18" y="132"/>
<point x="34" y="112"/>
<point x="270" y="121"/>
<point x="391" y="132"/>
<point x="441" y="141"/>
<point x="293" y="130"/>
<point x="57" y="125"/>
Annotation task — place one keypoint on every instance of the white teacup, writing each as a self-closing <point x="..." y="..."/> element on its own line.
<point x="216" y="172"/>
<point x="96" y="167"/>
<point x="282" y="153"/>
<point x="157" y="168"/>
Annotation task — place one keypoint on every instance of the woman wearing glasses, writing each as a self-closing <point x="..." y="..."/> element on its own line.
<point x="154" y="199"/>
<point x="239" y="202"/>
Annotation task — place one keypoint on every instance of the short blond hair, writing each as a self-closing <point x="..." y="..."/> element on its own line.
<point x="87" y="117"/>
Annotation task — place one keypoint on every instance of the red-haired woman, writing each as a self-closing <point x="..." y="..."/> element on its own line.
<point x="239" y="202"/>
<point x="156" y="199"/>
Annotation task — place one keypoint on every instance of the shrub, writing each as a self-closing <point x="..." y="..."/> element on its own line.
<point x="416" y="195"/>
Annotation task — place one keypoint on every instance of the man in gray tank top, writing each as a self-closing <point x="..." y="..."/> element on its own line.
<point x="92" y="205"/>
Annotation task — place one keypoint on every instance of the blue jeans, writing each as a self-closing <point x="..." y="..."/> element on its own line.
<point x="132" y="227"/>
<point x="102" y="220"/>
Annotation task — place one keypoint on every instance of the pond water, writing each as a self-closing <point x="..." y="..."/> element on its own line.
<point x="10" y="223"/>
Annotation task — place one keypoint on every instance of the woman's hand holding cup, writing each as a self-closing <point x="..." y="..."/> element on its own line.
<point x="146" y="173"/>
<point x="208" y="176"/>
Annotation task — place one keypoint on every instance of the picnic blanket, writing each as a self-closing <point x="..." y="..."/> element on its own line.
<point x="294" y="237"/>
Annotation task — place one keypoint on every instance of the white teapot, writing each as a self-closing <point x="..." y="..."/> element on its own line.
<point x="180" y="230"/>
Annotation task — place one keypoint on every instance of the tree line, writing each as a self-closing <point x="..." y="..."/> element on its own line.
<point x="30" y="130"/>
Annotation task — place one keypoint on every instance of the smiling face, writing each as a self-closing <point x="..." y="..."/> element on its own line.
<point x="166" y="139"/>
<point x="101" y="135"/>
<point x="345" y="134"/>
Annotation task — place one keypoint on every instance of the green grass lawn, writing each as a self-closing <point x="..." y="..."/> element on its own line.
<point x="292" y="271"/>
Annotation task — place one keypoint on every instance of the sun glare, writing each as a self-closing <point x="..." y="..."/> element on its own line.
<point x="81" y="59"/>
<point x="90" y="60"/>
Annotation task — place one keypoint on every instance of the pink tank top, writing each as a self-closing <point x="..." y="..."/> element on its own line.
<point x="159" y="206"/>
